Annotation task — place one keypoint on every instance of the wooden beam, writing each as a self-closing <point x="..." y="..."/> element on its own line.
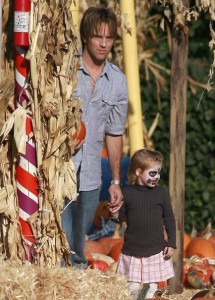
<point x="178" y="140"/>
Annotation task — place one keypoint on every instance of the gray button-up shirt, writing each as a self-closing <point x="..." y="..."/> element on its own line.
<point x="103" y="111"/>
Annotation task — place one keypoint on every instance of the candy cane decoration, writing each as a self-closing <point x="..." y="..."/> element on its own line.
<point x="27" y="183"/>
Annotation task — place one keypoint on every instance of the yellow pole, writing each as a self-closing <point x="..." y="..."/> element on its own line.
<point x="74" y="8"/>
<point x="129" y="42"/>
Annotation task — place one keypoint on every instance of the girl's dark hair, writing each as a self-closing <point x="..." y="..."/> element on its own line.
<point x="142" y="159"/>
<point x="92" y="20"/>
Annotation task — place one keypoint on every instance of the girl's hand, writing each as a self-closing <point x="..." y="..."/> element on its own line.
<point x="168" y="251"/>
<point x="114" y="209"/>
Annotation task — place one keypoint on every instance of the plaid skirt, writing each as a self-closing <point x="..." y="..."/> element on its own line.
<point x="150" y="269"/>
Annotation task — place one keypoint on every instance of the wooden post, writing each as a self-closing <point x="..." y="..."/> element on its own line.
<point x="129" y="42"/>
<point x="178" y="140"/>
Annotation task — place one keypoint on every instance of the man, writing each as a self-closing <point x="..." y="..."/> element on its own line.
<point x="102" y="88"/>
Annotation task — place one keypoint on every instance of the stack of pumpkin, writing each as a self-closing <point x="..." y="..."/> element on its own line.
<point x="104" y="253"/>
<point x="199" y="260"/>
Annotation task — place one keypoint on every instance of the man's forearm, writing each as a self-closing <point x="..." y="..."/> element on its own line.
<point x="114" y="149"/>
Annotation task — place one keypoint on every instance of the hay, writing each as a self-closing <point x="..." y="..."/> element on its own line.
<point x="32" y="282"/>
<point x="186" y="295"/>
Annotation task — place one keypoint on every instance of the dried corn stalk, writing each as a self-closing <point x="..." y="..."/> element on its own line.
<point x="54" y="60"/>
<point x="56" y="115"/>
<point x="11" y="244"/>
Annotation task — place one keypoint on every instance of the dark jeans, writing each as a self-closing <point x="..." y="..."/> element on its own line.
<point x="76" y="222"/>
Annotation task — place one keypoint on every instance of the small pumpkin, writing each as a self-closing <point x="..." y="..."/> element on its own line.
<point x="79" y="134"/>
<point x="93" y="247"/>
<point x="108" y="243"/>
<point x="116" y="250"/>
<point x="162" y="285"/>
<point x="99" y="265"/>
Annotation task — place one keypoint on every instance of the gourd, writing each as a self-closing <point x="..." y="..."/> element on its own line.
<point x="199" y="276"/>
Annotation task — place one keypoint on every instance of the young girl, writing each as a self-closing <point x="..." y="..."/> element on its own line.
<point x="146" y="255"/>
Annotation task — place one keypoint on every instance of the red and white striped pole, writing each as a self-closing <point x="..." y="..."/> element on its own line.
<point x="27" y="183"/>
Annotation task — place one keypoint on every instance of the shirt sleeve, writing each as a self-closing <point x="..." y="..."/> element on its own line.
<point x="116" y="121"/>
<point x="169" y="221"/>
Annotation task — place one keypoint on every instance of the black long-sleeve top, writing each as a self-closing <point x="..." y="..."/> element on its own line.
<point x="147" y="211"/>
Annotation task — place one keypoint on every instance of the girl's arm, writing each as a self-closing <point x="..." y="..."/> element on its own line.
<point x="117" y="213"/>
<point x="114" y="212"/>
<point x="169" y="222"/>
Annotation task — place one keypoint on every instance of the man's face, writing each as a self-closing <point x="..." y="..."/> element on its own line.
<point x="99" y="44"/>
<point x="150" y="176"/>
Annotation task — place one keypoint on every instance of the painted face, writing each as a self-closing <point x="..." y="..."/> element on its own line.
<point x="99" y="45"/>
<point x="150" y="176"/>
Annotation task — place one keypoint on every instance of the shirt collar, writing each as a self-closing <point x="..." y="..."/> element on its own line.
<point x="105" y="71"/>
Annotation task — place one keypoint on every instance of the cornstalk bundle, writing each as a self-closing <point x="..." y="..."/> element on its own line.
<point x="10" y="231"/>
<point x="55" y="116"/>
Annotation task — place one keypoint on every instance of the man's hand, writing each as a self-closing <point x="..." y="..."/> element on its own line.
<point x="115" y="196"/>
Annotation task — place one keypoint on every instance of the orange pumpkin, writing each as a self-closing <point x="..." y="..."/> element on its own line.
<point x="101" y="211"/>
<point x="109" y="242"/>
<point x="88" y="255"/>
<point x="187" y="239"/>
<point x="79" y="134"/>
<point x="162" y="285"/>
<point x="93" y="247"/>
<point x="201" y="246"/>
<point x="212" y="238"/>
<point x="99" y="265"/>
<point x="116" y="250"/>
<point x="104" y="152"/>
